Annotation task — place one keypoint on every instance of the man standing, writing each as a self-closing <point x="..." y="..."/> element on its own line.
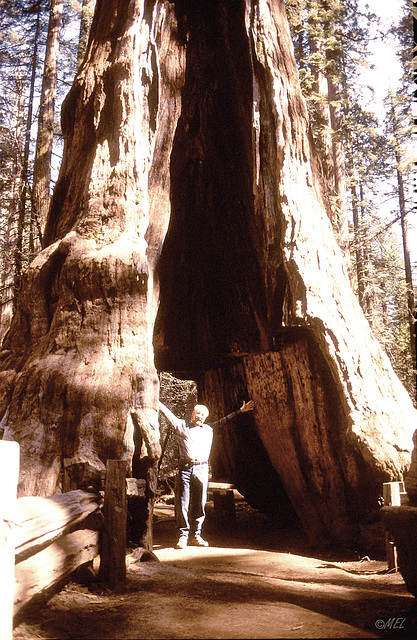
<point x="195" y="440"/>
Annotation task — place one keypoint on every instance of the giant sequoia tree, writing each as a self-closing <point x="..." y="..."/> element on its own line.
<point x="188" y="232"/>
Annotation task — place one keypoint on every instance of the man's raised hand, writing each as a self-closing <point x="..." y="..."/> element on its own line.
<point x="247" y="406"/>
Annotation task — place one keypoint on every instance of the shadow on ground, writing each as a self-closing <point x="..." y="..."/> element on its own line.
<point x="254" y="581"/>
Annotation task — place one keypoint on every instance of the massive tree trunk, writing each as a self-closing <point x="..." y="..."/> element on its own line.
<point x="78" y="359"/>
<point x="255" y="298"/>
<point x="191" y="114"/>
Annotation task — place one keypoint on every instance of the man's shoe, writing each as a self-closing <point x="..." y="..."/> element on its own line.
<point x="182" y="542"/>
<point x="199" y="542"/>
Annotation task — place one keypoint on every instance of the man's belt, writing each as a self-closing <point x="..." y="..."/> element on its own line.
<point x="191" y="463"/>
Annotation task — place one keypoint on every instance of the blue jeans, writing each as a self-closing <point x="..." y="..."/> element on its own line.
<point x="191" y="498"/>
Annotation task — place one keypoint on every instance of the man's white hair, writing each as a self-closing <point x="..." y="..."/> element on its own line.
<point x="201" y="407"/>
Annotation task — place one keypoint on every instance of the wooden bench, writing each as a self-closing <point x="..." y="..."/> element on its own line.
<point x="224" y="502"/>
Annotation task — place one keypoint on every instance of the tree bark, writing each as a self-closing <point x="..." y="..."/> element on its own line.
<point x="46" y="121"/>
<point x="190" y="114"/>
<point x="24" y="171"/>
<point x="341" y="220"/>
<point x="41" y="576"/>
<point x="87" y="10"/>
<point x="79" y="353"/>
<point x="41" y="521"/>
<point x="113" y="543"/>
<point x="257" y="271"/>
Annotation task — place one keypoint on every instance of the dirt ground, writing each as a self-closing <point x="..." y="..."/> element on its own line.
<point x="254" y="581"/>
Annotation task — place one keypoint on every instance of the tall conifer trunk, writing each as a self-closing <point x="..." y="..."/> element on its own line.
<point x="87" y="7"/>
<point x="24" y="172"/>
<point x="46" y="123"/>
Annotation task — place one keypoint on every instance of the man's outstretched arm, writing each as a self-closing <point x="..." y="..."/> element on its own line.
<point x="246" y="406"/>
<point x="176" y="422"/>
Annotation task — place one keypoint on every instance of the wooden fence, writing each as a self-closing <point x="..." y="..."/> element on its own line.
<point x="43" y="541"/>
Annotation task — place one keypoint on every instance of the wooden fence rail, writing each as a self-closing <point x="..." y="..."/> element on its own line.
<point x="54" y="536"/>
<point x="44" y="540"/>
<point x="44" y="520"/>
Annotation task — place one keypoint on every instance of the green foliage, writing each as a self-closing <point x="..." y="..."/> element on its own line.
<point x="385" y="294"/>
<point x="23" y="34"/>
<point x="331" y="40"/>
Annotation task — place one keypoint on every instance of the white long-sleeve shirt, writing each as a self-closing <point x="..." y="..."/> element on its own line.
<point x="195" y="441"/>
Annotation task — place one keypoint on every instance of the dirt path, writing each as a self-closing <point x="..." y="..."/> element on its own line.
<point x="252" y="582"/>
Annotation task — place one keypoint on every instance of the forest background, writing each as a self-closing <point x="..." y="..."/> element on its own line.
<point x="361" y="122"/>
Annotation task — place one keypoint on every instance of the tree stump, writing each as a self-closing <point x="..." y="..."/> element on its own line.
<point x="224" y="503"/>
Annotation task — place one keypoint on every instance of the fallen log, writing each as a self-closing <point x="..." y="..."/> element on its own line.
<point x="41" y="521"/>
<point x="41" y="576"/>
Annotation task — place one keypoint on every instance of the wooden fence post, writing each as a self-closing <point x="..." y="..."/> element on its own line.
<point x="9" y="476"/>
<point x="113" y="547"/>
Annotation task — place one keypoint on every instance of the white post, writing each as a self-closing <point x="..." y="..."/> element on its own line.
<point x="392" y="498"/>
<point x="391" y="494"/>
<point x="9" y="475"/>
